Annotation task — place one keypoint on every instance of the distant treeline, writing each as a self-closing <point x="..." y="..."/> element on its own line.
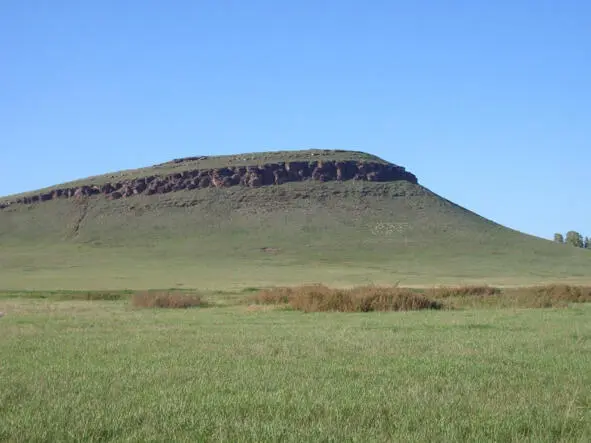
<point x="573" y="238"/>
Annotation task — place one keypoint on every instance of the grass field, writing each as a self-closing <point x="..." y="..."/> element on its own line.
<point x="74" y="370"/>
<point x="338" y="234"/>
<point x="85" y="355"/>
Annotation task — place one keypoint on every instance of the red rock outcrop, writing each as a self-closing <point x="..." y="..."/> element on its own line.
<point x="250" y="176"/>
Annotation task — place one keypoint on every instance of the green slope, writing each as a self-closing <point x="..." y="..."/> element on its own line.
<point x="338" y="233"/>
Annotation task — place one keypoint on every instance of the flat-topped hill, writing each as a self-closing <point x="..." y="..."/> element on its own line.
<point x="336" y="217"/>
<point x="251" y="169"/>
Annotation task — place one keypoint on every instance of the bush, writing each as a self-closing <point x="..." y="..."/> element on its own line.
<point x="320" y="298"/>
<point x="165" y="300"/>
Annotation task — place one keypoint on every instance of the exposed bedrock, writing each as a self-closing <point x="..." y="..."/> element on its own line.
<point x="250" y="176"/>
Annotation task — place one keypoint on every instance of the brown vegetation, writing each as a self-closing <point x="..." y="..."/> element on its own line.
<point x="316" y="298"/>
<point x="93" y="295"/>
<point x="165" y="300"/>
<point x="462" y="291"/>
<point x="319" y="298"/>
<point x="550" y="295"/>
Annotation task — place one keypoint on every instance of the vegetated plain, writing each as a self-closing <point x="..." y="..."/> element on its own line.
<point x="90" y="355"/>
<point x="96" y="370"/>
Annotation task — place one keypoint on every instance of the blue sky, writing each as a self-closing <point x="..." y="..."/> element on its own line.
<point x="488" y="103"/>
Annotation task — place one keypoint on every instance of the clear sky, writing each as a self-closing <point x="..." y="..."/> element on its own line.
<point x="488" y="103"/>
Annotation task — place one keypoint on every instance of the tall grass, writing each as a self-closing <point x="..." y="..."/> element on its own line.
<point x="320" y="298"/>
<point x="463" y="291"/>
<point x="546" y="296"/>
<point x="167" y="299"/>
<point x="551" y="295"/>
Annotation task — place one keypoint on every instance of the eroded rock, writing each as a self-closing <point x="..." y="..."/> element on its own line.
<point x="250" y="176"/>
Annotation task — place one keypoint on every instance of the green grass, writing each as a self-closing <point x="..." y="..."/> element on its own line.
<point x="333" y="233"/>
<point x="104" y="371"/>
<point x="78" y="362"/>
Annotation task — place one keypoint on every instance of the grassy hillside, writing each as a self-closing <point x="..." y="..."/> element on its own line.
<point x="336" y="233"/>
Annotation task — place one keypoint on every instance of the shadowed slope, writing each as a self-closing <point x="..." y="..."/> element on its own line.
<point x="342" y="233"/>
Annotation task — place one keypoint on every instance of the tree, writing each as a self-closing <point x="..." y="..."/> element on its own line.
<point x="558" y="238"/>
<point x="575" y="239"/>
<point x="587" y="243"/>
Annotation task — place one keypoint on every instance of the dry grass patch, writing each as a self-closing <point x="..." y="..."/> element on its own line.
<point x="320" y="298"/>
<point x="463" y="291"/>
<point x="94" y="295"/>
<point x="168" y="299"/>
<point x="575" y="294"/>
<point x="549" y="296"/>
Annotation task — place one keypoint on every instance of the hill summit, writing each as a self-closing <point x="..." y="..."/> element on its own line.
<point x="251" y="170"/>
<point x="258" y="219"/>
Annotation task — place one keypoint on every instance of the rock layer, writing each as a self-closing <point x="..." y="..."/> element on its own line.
<point x="250" y="176"/>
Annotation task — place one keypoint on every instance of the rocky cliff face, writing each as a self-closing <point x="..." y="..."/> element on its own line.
<point x="251" y="176"/>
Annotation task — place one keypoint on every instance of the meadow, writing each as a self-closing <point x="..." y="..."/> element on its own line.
<point x="88" y="352"/>
<point x="95" y="366"/>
